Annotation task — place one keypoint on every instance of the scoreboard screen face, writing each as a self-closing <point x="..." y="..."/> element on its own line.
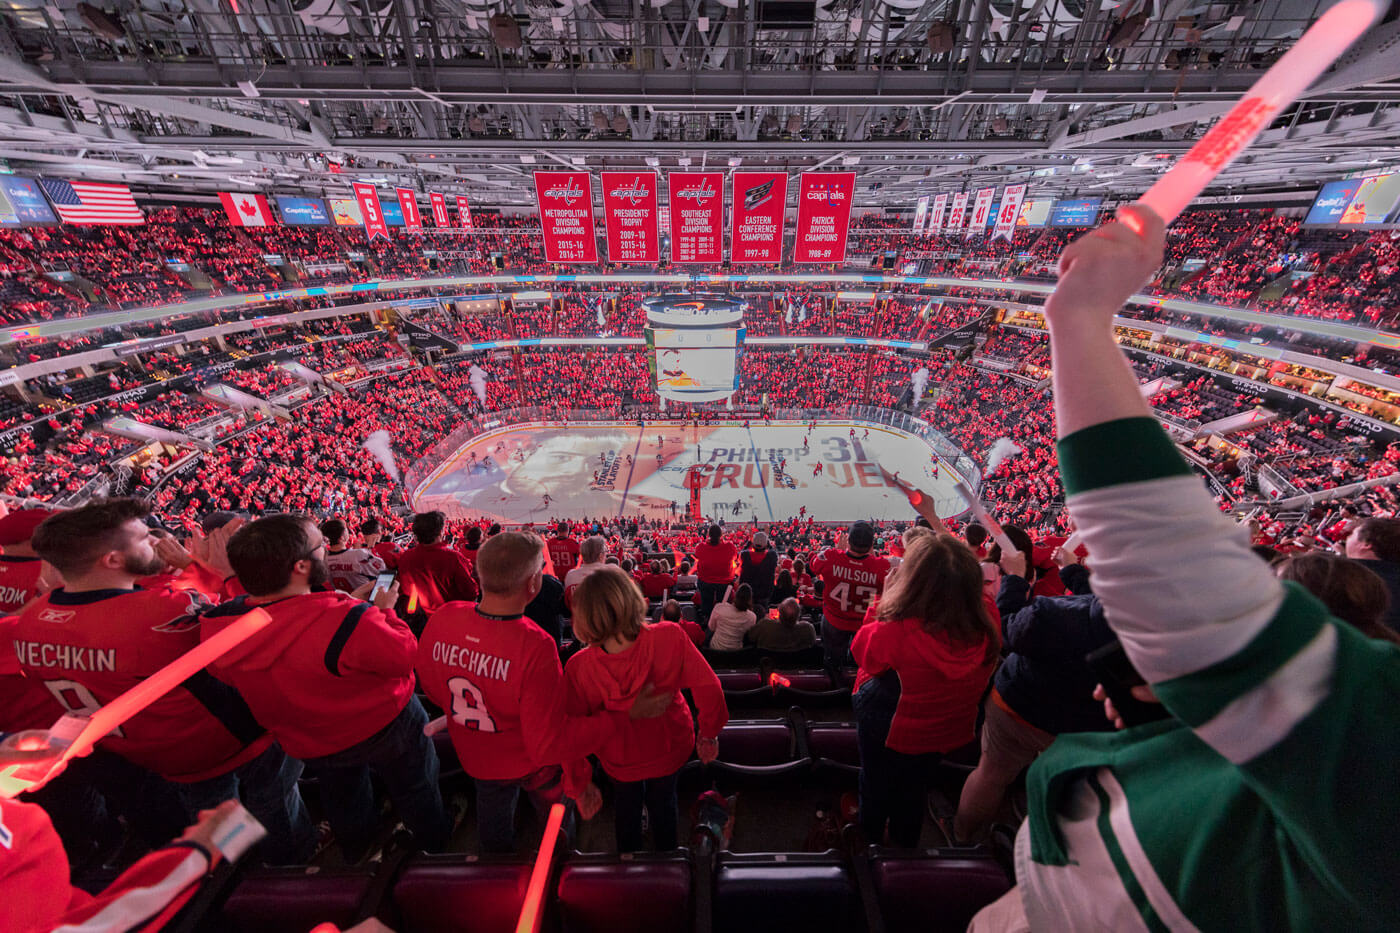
<point x="694" y="365"/>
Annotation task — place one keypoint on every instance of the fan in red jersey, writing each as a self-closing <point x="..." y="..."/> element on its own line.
<point x="851" y="578"/>
<point x="498" y="676"/>
<point x="101" y="634"/>
<point x="21" y="569"/>
<point x="432" y="572"/>
<point x="563" y="550"/>
<point x="332" y="678"/>
<point x="371" y="534"/>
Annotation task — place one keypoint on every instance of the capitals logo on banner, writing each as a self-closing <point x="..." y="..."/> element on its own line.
<point x="565" y="202"/>
<point x="412" y="220"/>
<point x="464" y="213"/>
<point x="697" y="216"/>
<point x="935" y="215"/>
<point x="1011" y="198"/>
<point x="756" y="234"/>
<point x="370" y="210"/>
<point x="629" y="213"/>
<point x="958" y="213"/>
<point x="439" y="209"/>
<point x="981" y="210"/>
<point x="823" y="216"/>
<point x="920" y="214"/>
<point x="247" y="210"/>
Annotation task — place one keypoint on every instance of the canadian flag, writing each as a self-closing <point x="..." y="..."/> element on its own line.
<point x="247" y="210"/>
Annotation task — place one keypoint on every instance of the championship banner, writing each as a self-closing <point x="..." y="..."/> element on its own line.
<point x="1011" y="198"/>
<point x="958" y="212"/>
<point x="823" y="216"/>
<point x="565" y="202"/>
<point x="920" y="214"/>
<point x="439" y="209"/>
<point x="371" y="212"/>
<point x="756" y="234"/>
<point x="464" y="213"/>
<point x="981" y="210"/>
<point x="629" y="213"/>
<point x="697" y="216"/>
<point x="935" y="217"/>
<point x="412" y="220"/>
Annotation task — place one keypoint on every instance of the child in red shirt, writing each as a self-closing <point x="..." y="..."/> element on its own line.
<point x="624" y="654"/>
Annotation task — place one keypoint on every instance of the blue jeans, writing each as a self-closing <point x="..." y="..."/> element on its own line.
<point x="496" y="802"/>
<point x="893" y="785"/>
<point x="710" y="593"/>
<point x="659" y="794"/>
<point x="267" y="786"/>
<point x="836" y="647"/>
<point x="405" y="760"/>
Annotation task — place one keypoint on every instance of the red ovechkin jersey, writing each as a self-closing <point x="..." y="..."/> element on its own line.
<point x="500" y="681"/>
<point x="88" y="648"/>
<point x="850" y="583"/>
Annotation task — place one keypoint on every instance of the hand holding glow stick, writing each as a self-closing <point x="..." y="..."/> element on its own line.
<point x="1311" y="55"/>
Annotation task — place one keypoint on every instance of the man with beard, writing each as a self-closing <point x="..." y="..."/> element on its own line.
<point x="332" y="678"/>
<point x="100" y="634"/>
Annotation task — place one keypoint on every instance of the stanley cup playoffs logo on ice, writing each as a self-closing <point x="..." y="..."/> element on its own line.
<point x="632" y="193"/>
<point x="701" y="191"/>
<point x="567" y="191"/>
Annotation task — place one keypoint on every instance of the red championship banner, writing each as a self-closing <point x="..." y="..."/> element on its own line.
<point x="565" y="202"/>
<point x="981" y="210"/>
<point x="439" y="209"/>
<point x="697" y="216"/>
<point x="370" y="211"/>
<point x="935" y="214"/>
<point x="958" y="213"/>
<point x="823" y="216"/>
<point x="464" y="213"/>
<point x="629" y="212"/>
<point x="757" y="232"/>
<point x="1011" y="198"/>
<point x="412" y="220"/>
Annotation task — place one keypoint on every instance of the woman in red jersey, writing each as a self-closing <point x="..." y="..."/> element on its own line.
<point x="715" y="559"/>
<point x="925" y="661"/>
<point x="624" y="655"/>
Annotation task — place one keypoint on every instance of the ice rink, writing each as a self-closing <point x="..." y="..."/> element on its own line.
<point x="620" y="469"/>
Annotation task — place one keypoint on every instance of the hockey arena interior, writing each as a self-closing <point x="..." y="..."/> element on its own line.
<point x="699" y="465"/>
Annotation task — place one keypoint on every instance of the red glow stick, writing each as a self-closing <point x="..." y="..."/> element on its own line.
<point x="1280" y="86"/>
<point x="15" y="778"/>
<point x="776" y="680"/>
<point x="534" y="894"/>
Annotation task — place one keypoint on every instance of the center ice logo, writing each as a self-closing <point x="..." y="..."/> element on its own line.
<point x="568" y="192"/>
<point x="697" y="193"/>
<point x="637" y="191"/>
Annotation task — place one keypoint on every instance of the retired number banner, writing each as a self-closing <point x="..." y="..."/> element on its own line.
<point x="920" y="214"/>
<point x="697" y="216"/>
<point x="371" y="212"/>
<point x="823" y="216"/>
<point x="760" y="198"/>
<point x="565" y="202"/>
<point x="439" y="209"/>
<point x="958" y="213"/>
<point x="464" y="213"/>
<point x="935" y="215"/>
<point x="981" y="210"/>
<point x="412" y="220"/>
<point x="629" y="212"/>
<point x="1011" y="198"/>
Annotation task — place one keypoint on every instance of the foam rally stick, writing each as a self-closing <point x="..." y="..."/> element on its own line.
<point x="984" y="517"/>
<point x="1282" y="84"/>
<point x="529" y="921"/>
<point x="30" y="759"/>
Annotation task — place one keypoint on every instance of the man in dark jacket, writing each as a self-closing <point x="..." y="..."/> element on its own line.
<point x="1375" y="542"/>
<point x="1043" y="688"/>
<point x="758" y="566"/>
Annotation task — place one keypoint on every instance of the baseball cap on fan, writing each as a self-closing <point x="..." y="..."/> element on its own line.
<point x="18" y="527"/>
<point x="862" y="537"/>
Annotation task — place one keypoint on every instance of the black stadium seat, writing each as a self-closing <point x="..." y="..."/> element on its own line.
<point x="458" y="894"/>
<point x="644" y="893"/>
<point x="759" y="750"/>
<point x="764" y="892"/>
<point x="293" y="900"/>
<point x="937" y="891"/>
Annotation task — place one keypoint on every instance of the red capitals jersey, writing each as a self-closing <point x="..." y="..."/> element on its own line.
<point x="19" y="581"/>
<point x="563" y="554"/>
<point x="89" y="648"/>
<point x="388" y="552"/>
<point x="501" y="683"/>
<point x="25" y="703"/>
<point x="849" y="584"/>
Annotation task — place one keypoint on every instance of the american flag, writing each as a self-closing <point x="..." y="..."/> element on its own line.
<point x="86" y="202"/>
